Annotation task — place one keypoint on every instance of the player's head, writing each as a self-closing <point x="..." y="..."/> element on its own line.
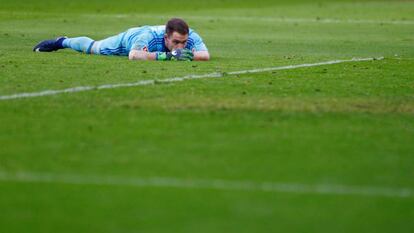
<point x="176" y="34"/>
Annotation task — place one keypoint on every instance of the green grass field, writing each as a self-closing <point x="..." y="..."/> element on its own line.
<point x="192" y="156"/>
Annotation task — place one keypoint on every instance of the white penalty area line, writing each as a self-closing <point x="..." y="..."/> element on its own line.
<point x="175" y="79"/>
<point x="209" y="184"/>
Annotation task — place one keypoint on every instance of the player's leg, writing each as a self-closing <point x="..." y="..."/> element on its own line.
<point x="110" y="46"/>
<point x="80" y="44"/>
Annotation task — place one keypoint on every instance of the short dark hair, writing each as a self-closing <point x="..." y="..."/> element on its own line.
<point x="176" y="25"/>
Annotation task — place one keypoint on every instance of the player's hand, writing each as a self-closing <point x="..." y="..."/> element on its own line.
<point x="182" y="55"/>
<point x="175" y="55"/>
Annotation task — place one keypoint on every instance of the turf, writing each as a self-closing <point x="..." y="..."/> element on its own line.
<point x="346" y="124"/>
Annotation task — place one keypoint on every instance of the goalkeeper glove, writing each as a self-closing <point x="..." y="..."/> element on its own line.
<point x="175" y="55"/>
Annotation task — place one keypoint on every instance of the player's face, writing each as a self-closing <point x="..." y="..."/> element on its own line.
<point x="176" y="41"/>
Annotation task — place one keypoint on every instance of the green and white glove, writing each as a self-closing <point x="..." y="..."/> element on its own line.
<point x="175" y="55"/>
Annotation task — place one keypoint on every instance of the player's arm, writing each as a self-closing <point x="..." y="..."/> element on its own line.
<point x="200" y="50"/>
<point x="140" y="47"/>
<point x="201" y="56"/>
<point x="136" y="54"/>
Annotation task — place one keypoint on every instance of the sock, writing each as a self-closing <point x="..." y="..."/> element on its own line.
<point x="80" y="44"/>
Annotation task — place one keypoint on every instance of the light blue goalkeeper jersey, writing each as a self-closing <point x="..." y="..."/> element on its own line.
<point x="148" y="38"/>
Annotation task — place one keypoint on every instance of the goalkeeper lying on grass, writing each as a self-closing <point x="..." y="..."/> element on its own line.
<point x="174" y="41"/>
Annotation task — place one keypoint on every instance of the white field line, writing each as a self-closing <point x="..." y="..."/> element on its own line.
<point x="277" y="19"/>
<point x="267" y="19"/>
<point x="175" y="79"/>
<point x="280" y="19"/>
<point x="304" y="20"/>
<point x="213" y="184"/>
